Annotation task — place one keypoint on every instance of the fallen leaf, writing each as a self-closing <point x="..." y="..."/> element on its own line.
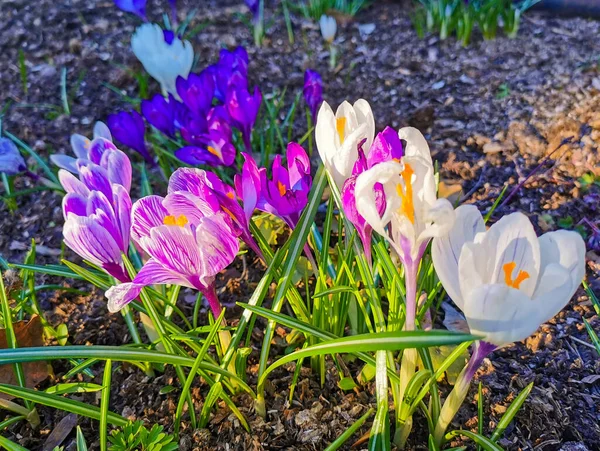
<point x="60" y="432"/>
<point x="28" y="334"/>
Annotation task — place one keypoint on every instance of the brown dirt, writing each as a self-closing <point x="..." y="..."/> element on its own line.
<point x="491" y="113"/>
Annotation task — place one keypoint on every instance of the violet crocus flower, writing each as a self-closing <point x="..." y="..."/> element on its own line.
<point x="286" y="194"/>
<point x="160" y="113"/>
<point x="242" y="108"/>
<point x="11" y="160"/>
<point x="313" y="92"/>
<point x="97" y="211"/>
<point x="81" y="148"/>
<point x="230" y="71"/>
<point x="137" y="7"/>
<point x="197" y="92"/>
<point x="187" y="243"/>
<point x="219" y="195"/>
<point x="211" y="146"/>
<point x="253" y="7"/>
<point x="129" y="128"/>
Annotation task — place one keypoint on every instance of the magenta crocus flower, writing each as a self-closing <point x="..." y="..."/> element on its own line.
<point x="286" y="194"/>
<point x="219" y="195"/>
<point x="313" y="91"/>
<point x="386" y="146"/>
<point x="188" y="245"/>
<point x="137" y="7"/>
<point x="129" y="128"/>
<point x="242" y="108"/>
<point x="97" y="210"/>
<point x="197" y="92"/>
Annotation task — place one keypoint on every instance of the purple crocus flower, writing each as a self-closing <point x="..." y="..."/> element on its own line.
<point x="242" y="108"/>
<point x="230" y="71"/>
<point x="97" y="211"/>
<point x="386" y="146"/>
<point x="253" y="7"/>
<point x="197" y="92"/>
<point x="286" y="194"/>
<point x="219" y="195"/>
<point x="160" y="113"/>
<point x="211" y="146"/>
<point x="81" y="147"/>
<point x="313" y="92"/>
<point x="129" y="128"/>
<point x="137" y="7"/>
<point x="11" y="160"/>
<point x="187" y="243"/>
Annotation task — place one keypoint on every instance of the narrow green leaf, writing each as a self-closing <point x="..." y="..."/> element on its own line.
<point x="61" y="403"/>
<point x="104" y="403"/>
<point x="73" y="387"/>
<point x="484" y="442"/>
<point x="510" y="413"/>
<point x="338" y="442"/>
<point x="81" y="445"/>
<point x="10" y="446"/>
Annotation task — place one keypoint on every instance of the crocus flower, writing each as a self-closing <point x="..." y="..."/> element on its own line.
<point x="286" y="194"/>
<point x="160" y="113"/>
<point x="197" y="92"/>
<point x="219" y="195"/>
<point x="137" y="7"/>
<point x="507" y="282"/>
<point x="230" y="71"/>
<point x="11" y="160"/>
<point x="187" y="243"/>
<point x="164" y="56"/>
<point x="328" y="28"/>
<point x="97" y="211"/>
<point x="129" y="128"/>
<point x="337" y="136"/>
<point x="81" y="147"/>
<point x="253" y="7"/>
<point x="313" y="91"/>
<point x="211" y="145"/>
<point x="242" y="108"/>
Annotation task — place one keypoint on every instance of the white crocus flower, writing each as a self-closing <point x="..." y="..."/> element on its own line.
<point x="338" y="135"/>
<point x="163" y="60"/>
<point x="328" y="27"/>
<point x="413" y="212"/>
<point x="506" y="280"/>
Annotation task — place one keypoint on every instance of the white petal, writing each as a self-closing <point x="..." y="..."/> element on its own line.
<point x="416" y="145"/>
<point x="565" y="248"/>
<point x="514" y="240"/>
<point x="345" y="110"/>
<point x="364" y="115"/>
<point x="325" y="135"/>
<point x="446" y="249"/>
<point x="500" y="314"/>
<point x="556" y="288"/>
<point x="101" y="130"/>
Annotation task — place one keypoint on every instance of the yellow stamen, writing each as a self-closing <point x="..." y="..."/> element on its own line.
<point x="508" y="269"/>
<point x="406" y="194"/>
<point x="226" y="210"/>
<point x="340" y="125"/>
<point x="230" y="195"/>
<point x="281" y="187"/>
<point x="180" y="221"/>
<point x="213" y="151"/>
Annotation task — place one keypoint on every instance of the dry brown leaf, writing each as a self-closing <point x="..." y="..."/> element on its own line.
<point x="28" y="334"/>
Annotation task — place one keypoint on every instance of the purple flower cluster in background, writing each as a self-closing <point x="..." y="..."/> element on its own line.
<point x="313" y="92"/>
<point x="211" y="103"/>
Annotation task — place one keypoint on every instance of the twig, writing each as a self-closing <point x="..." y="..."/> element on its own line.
<point x="537" y="168"/>
<point x="475" y="187"/>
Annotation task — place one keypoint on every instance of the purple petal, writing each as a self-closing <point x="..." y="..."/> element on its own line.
<point x="387" y="146"/>
<point x="217" y="244"/>
<point x="11" y="160"/>
<point x="118" y="167"/>
<point x="80" y="145"/>
<point x="197" y="92"/>
<point x="101" y="130"/>
<point x="64" y="162"/>
<point x="298" y="167"/>
<point x="185" y="203"/>
<point x="248" y="185"/>
<point x="72" y="184"/>
<point x="175" y="248"/>
<point x="97" y="148"/>
<point x="74" y="204"/>
<point x="122" y="208"/>
<point x="121" y="295"/>
<point x="160" y="114"/>
<point x="95" y="177"/>
<point x="137" y="7"/>
<point x="147" y="213"/>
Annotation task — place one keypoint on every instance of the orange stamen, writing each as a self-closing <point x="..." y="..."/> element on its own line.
<point x="213" y="151"/>
<point x="230" y="195"/>
<point x="508" y="269"/>
<point x="406" y="194"/>
<point x="180" y="221"/>
<point x="340" y="125"/>
<point x="281" y="187"/>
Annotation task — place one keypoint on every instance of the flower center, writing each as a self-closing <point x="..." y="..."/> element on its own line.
<point x="406" y="194"/>
<point x="213" y="151"/>
<point x="230" y="195"/>
<point x="340" y="126"/>
<point x="180" y="220"/>
<point x="281" y="187"/>
<point x="509" y="268"/>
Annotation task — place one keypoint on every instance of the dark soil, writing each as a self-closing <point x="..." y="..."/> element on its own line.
<point x="492" y="113"/>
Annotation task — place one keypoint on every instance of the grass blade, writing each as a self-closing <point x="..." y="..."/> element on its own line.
<point x="510" y="413"/>
<point x="350" y="431"/>
<point x="104" y="402"/>
<point x="482" y="441"/>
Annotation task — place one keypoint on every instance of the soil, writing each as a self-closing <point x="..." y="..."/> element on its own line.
<point x="494" y="113"/>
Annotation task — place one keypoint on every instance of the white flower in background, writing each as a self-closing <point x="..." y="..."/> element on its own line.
<point x="506" y="280"/>
<point x="338" y="135"/>
<point x="412" y="211"/>
<point x="163" y="55"/>
<point x="328" y="28"/>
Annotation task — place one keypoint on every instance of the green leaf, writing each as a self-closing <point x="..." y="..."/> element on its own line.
<point x="10" y="446"/>
<point x="347" y="383"/>
<point x="61" y="403"/>
<point x="166" y="389"/>
<point x="510" y="413"/>
<point x="73" y="387"/>
<point x="338" y="442"/>
<point x="81" y="445"/>
<point x="104" y="402"/>
<point x="482" y="441"/>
